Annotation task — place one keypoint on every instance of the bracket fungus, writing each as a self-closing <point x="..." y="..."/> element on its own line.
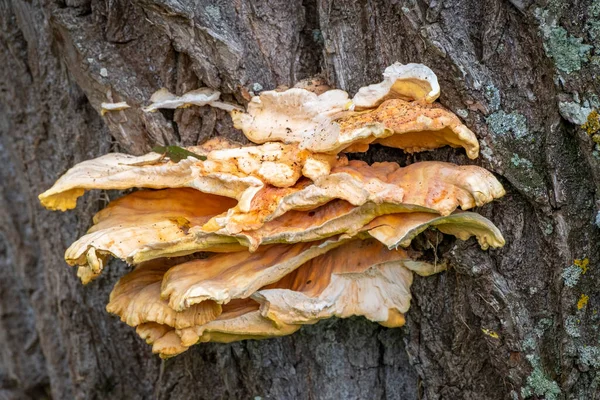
<point x="286" y="231"/>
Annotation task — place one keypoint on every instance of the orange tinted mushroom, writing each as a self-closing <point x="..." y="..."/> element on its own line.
<point x="361" y="277"/>
<point x="136" y="299"/>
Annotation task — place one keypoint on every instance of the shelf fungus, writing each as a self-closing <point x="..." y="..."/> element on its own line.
<point x="107" y="107"/>
<point x="330" y="123"/>
<point x="233" y="242"/>
<point x="199" y="97"/>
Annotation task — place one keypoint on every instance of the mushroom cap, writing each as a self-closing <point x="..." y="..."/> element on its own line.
<point x="434" y="186"/>
<point x="231" y="172"/>
<point x="173" y="222"/>
<point x="444" y="186"/>
<point x="132" y="222"/>
<point x="355" y="182"/>
<point x="152" y="331"/>
<point x="408" y="82"/>
<point x="411" y="126"/>
<point x="106" y="107"/>
<point x="162" y="98"/>
<point x="238" y="275"/>
<point x="223" y="277"/>
<point x="360" y="277"/>
<point x="398" y="230"/>
<point x="324" y="124"/>
<point x="288" y="116"/>
<point x="240" y="320"/>
<point x="169" y="345"/>
<point x="136" y="299"/>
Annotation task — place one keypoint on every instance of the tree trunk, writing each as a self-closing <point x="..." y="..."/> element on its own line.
<point x="511" y="323"/>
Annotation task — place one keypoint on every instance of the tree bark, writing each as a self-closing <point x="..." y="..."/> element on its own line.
<point x="511" y="323"/>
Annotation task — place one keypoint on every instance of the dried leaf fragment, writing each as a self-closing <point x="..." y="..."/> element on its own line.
<point x="176" y="153"/>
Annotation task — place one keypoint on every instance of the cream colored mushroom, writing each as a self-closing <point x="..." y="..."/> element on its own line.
<point x="231" y="172"/>
<point x="361" y="277"/>
<point x="223" y="277"/>
<point x="408" y="82"/>
<point x="107" y="107"/>
<point x="136" y="299"/>
<point x="199" y="97"/>
<point x="240" y="320"/>
<point x="398" y="230"/>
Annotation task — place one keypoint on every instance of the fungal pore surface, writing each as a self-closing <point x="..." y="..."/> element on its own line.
<point x="232" y="242"/>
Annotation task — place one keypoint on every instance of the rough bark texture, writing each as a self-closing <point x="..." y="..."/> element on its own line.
<point x="499" y="324"/>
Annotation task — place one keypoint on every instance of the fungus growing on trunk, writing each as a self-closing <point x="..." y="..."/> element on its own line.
<point x="287" y="231"/>
<point x="407" y="82"/>
<point x="236" y="172"/>
<point x="173" y="222"/>
<point x="199" y="97"/>
<point x="107" y="107"/>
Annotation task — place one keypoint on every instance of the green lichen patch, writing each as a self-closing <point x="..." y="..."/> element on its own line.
<point x="594" y="9"/>
<point x="521" y="162"/>
<point x="593" y="22"/>
<point x="539" y="384"/>
<point x="502" y="123"/>
<point x="543" y="325"/>
<point x="568" y="52"/>
<point x="528" y="344"/>
<point x="593" y="29"/>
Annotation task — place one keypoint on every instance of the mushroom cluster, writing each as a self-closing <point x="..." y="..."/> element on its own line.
<point x="233" y="242"/>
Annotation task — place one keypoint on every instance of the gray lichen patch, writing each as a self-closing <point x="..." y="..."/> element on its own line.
<point x="461" y="112"/>
<point x="502" y="123"/>
<point x="589" y="356"/>
<point x="492" y="95"/>
<point x="572" y="323"/>
<point x="543" y="325"/>
<point x="571" y="275"/>
<point x="573" y="112"/>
